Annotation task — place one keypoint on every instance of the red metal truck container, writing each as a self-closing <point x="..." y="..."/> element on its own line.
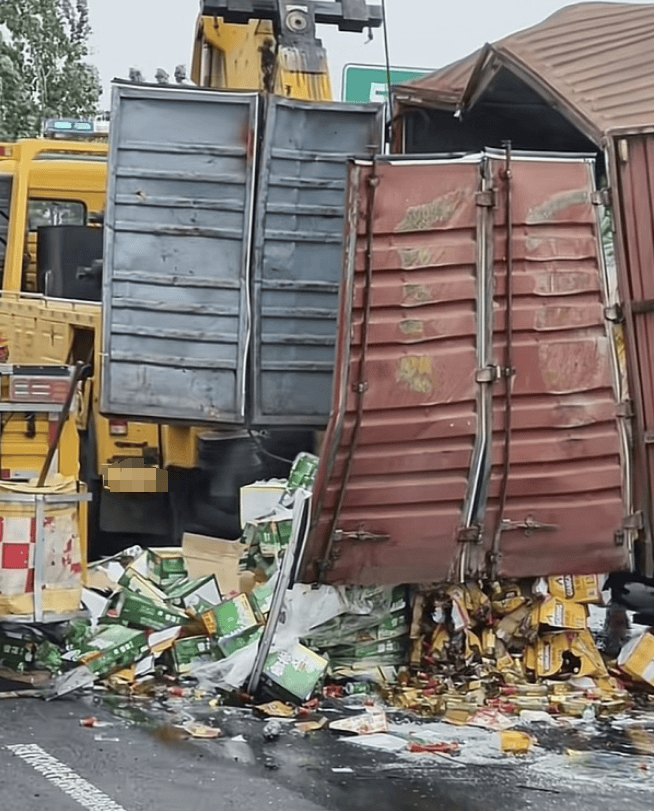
<point x="415" y="483"/>
<point x="631" y="167"/>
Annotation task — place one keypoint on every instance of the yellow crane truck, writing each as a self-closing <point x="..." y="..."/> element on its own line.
<point x="52" y="199"/>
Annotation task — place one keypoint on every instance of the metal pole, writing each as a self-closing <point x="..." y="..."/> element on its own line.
<point x="80" y="370"/>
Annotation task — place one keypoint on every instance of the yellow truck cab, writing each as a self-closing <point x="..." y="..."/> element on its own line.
<point x="52" y="193"/>
<point x="52" y="198"/>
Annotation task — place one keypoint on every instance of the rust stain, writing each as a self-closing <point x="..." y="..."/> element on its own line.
<point x="550" y="209"/>
<point x="426" y="216"/>
<point x="572" y="365"/>
<point x="561" y="317"/>
<point x="417" y="292"/>
<point x="415" y="257"/>
<point x="416" y="374"/>
<point x="415" y="328"/>
<point x="560" y="281"/>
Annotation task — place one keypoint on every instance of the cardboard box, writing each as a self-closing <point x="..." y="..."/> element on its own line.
<point x="112" y="648"/>
<point x="637" y="658"/>
<point x="17" y="654"/>
<point x="392" y="626"/>
<point x="139" y="584"/>
<point x="195" y="595"/>
<point x="185" y="652"/>
<point x="562" y="614"/>
<point x="385" y="650"/>
<point x="295" y="672"/>
<point x="230" y="617"/>
<point x="260" y="499"/>
<point x="274" y="537"/>
<point x="545" y="658"/>
<point x="165" y="565"/>
<point x="231" y="644"/>
<point x="577" y="588"/>
<point x="213" y="556"/>
<point x="128" y="608"/>
<point x="261" y="599"/>
<point x="303" y="472"/>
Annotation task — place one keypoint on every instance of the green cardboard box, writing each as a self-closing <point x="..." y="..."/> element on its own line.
<point x="261" y="599"/>
<point x="230" y="617"/>
<point x="389" y="651"/>
<point x="17" y="654"/>
<point x="296" y="672"/>
<point x="393" y="626"/>
<point x="193" y="649"/>
<point x="128" y="608"/>
<point x="112" y="648"/>
<point x="139" y="584"/>
<point x="197" y="595"/>
<point x="164" y="566"/>
<point x="231" y="644"/>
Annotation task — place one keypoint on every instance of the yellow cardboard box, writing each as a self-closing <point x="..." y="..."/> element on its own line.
<point x="637" y="658"/>
<point x="585" y="588"/>
<point x="546" y="657"/>
<point x="563" y="614"/>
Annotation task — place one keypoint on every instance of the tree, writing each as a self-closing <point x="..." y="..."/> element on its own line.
<point x="43" y="45"/>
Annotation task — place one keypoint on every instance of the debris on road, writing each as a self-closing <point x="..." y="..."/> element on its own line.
<point x="197" y="730"/>
<point x="272" y="730"/>
<point x="482" y="668"/>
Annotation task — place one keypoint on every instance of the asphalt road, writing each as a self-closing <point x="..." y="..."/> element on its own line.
<point x="140" y="763"/>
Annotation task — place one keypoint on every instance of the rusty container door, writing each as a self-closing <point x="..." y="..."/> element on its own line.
<point x="631" y="162"/>
<point x="563" y="508"/>
<point x="410" y="482"/>
<point x="397" y="454"/>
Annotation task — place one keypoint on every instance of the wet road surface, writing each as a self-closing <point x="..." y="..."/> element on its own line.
<point x="139" y="762"/>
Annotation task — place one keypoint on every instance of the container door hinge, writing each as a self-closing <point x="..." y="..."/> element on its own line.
<point x="635" y="521"/>
<point x="632" y="524"/>
<point x="625" y="409"/>
<point x="528" y="526"/>
<point x="471" y="534"/>
<point x="601" y="197"/>
<point x="488" y="374"/>
<point x="491" y="373"/>
<point x="614" y="314"/>
<point x="485" y="198"/>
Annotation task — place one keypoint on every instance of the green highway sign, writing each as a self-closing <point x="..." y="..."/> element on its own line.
<point x="362" y="83"/>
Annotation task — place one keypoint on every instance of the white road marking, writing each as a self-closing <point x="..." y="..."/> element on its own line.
<point x="64" y="777"/>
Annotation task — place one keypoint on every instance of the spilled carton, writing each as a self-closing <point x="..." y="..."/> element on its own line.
<point x="197" y="596"/>
<point x="578" y="588"/>
<point x="230" y="644"/>
<point x="294" y="673"/>
<point x="562" y="614"/>
<point x="113" y="648"/>
<point x="230" y="617"/>
<point x="192" y="649"/>
<point x="128" y="608"/>
<point x="637" y="658"/>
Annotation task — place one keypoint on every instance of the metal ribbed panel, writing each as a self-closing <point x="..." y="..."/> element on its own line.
<point x="413" y="458"/>
<point x="298" y="257"/>
<point x="414" y="448"/>
<point x="565" y="473"/>
<point x="632" y="182"/>
<point x="178" y="233"/>
<point x="595" y="56"/>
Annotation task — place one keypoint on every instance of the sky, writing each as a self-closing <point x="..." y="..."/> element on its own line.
<point x="149" y="34"/>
